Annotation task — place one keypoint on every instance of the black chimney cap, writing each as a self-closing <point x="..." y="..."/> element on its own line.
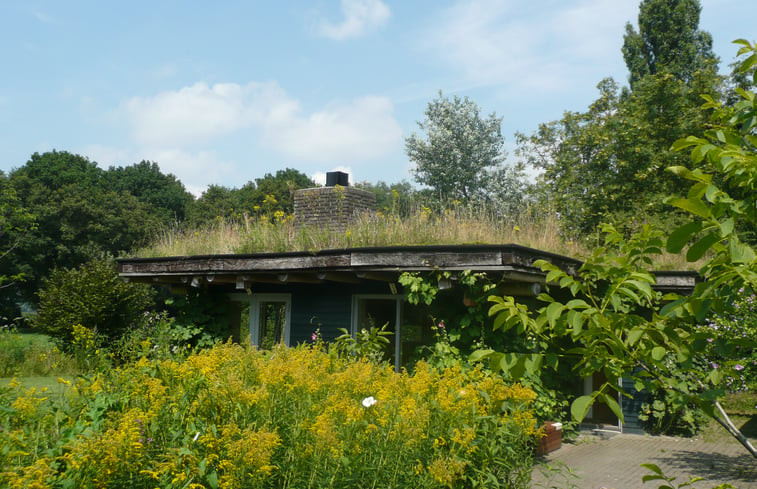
<point x="334" y="178"/>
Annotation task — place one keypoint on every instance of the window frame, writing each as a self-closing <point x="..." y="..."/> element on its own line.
<point x="398" y="300"/>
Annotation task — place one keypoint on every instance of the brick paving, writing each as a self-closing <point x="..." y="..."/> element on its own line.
<point x="613" y="462"/>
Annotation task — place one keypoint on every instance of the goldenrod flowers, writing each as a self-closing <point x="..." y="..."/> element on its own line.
<point x="237" y="417"/>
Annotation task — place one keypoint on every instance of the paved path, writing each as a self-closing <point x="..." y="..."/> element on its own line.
<point x="614" y="463"/>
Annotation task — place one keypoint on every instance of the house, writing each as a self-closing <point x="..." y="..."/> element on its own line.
<point x="286" y="297"/>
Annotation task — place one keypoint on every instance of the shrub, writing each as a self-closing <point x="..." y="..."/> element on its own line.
<point x="291" y="417"/>
<point x="93" y="296"/>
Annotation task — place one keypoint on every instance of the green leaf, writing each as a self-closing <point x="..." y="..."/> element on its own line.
<point x="696" y="207"/>
<point x="479" y="355"/>
<point x="685" y="143"/>
<point x="576" y="304"/>
<point x="698" y="249"/>
<point x="726" y="227"/>
<point x="580" y="407"/>
<point x="740" y="252"/>
<point x="748" y="63"/>
<point x="553" y="312"/>
<point x="658" y="353"/>
<point x="614" y="406"/>
<point x="652" y="467"/>
<point x="634" y="335"/>
<point x="212" y="479"/>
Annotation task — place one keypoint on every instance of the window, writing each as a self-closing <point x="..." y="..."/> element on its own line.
<point x="269" y="318"/>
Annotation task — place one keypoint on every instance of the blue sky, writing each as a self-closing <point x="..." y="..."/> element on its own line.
<point x="224" y="92"/>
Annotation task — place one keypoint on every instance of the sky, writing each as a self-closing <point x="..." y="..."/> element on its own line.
<point x="225" y="92"/>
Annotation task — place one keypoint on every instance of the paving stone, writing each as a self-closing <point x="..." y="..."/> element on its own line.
<point x="614" y="462"/>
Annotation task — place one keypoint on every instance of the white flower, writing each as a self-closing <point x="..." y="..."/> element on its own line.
<point x="369" y="401"/>
<point x="196" y="436"/>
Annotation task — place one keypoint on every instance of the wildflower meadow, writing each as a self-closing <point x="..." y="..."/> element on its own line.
<point x="233" y="416"/>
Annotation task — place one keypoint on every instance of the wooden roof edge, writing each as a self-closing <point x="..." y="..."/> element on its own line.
<point x="366" y="249"/>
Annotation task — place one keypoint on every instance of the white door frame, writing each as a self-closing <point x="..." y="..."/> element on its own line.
<point x="356" y="298"/>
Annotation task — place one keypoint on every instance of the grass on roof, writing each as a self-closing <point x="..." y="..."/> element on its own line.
<point x="453" y="227"/>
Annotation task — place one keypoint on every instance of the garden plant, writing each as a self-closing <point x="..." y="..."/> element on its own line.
<point x="234" y="416"/>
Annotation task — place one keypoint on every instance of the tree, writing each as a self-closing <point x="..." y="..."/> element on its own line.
<point x="268" y="194"/>
<point x="15" y="223"/>
<point x="282" y="186"/>
<point x="608" y="164"/>
<point x="668" y="41"/>
<point x="165" y="195"/>
<point x="459" y="150"/>
<point x="77" y="216"/>
<point x="396" y="199"/>
<point x="616" y="321"/>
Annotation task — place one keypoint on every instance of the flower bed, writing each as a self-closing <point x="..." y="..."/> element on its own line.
<point x="238" y="417"/>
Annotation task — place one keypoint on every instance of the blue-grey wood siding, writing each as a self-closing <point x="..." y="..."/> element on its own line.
<point x="324" y="306"/>
<point x="631" y="407"/>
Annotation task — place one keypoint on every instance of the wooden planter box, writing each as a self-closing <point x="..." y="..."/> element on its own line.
<point x="552" y="439"/>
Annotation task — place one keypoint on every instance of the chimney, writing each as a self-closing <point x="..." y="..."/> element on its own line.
<point x="334" y="206"/>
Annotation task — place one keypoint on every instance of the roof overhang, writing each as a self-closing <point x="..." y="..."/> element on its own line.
<point x="354" y="265"/>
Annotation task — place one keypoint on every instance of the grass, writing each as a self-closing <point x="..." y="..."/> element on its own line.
<point x="742" y="409"/>
<point x="28" y="354"/>
<point x="48" y="385"/>
<point x="453" y="227"/>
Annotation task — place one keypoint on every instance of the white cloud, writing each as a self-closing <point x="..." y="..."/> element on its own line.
<point x="360" y="17"/>
<point x="544" y="45"/>
<point x="361" y="130"/>
<point x="345" y="132"/>
<point x="200" y="112"/>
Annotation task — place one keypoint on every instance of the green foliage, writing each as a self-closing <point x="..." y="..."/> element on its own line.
<point x="461" y="153"/>
<point x="658" y="417"/>
<point x="160" y="337"/>
<point x="738" y="321"/>
<point x="239" y="417"/>
<point x="369" y="344"/>
<point x="616" y="319"/>
<point x="263" y="197"/>
<point x="163" y="193"/>
<point x="398" y="199"/>
<point x="78" y="215"/>
<point x="668" y="41"/>
<point x="196" y="319"/>
<point x="30" y="355"/>
<point x="608" y="164"/>
<point x="15" y="223"/>
<point x="658" y="475"/>
<point x="94" y="297"/>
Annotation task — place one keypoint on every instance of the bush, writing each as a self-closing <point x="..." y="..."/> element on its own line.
<point x="659" y="416"/>
<point x="291" y="417"/>
<point x="92" y="296"/>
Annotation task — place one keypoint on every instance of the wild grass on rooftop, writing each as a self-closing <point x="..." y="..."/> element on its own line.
<point x="462" y="225"/>
<point x="452" y="227"/>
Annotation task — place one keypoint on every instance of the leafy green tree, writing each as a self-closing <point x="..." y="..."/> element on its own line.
<point x="77" y="216"/>
<point x="15" y="224"/>
<point x="460" y="149"/>
<point x="668" y="41"/>
<point x="268" y="194"/>
<point x="619" y="325"/>
<point x="282" y="186"/>
<point x="91" y="295"/>
<point x="163" y="193"/>
<point x="397" y="198"/>
<point x="608" y="164"/>
<point x="216" y="201"/>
